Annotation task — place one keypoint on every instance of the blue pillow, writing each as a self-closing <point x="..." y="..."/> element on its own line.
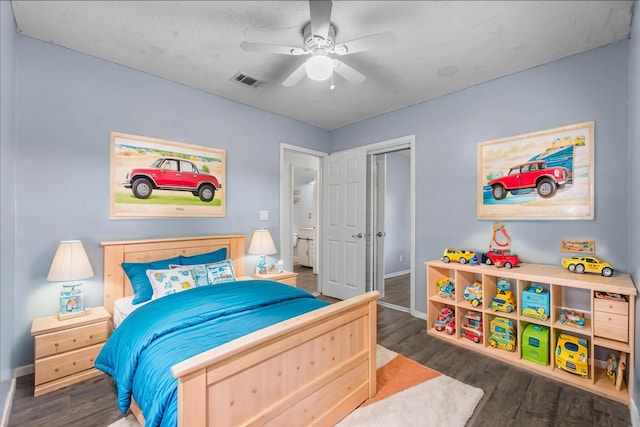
<point x="208" y="258"/>
<point x="137" y="272"/>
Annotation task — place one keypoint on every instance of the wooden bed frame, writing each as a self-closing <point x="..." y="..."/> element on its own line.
<point x="309" y="370"/>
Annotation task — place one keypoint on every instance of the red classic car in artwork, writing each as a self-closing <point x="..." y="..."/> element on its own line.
<point x="533" y="174"/>
<point x="168" y="173"/>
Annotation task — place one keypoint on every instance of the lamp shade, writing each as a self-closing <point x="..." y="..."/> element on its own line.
<point x="262" y="243"/>
<point x="319" y="67"/>
<point x="70" y="263"/>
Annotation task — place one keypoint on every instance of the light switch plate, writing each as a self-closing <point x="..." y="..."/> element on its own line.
<point x="264" y="215"/>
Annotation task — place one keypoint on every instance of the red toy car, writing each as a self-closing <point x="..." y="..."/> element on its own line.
<point x="533" y="174"/>
<point x="502" y="259"/>
<point x="445" y="317"/>
<point x="168" y="173"/>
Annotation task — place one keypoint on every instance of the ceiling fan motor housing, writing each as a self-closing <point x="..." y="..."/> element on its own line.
<point x="318" y="45"/>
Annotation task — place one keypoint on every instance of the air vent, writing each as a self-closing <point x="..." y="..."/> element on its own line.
<point x="245" y="80"/>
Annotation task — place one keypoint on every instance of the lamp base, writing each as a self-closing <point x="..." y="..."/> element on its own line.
<point x="65" y="316"/>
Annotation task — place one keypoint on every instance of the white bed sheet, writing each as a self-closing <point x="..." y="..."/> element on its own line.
<point x="122" y="308"/>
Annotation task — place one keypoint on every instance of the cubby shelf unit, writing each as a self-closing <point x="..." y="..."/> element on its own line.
<point x="609" y="325"/>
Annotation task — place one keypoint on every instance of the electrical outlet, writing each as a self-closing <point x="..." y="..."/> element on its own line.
<point x="400" y="258"/>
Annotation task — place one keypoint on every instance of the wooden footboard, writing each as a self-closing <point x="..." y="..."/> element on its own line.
<point x="310" y="370"/>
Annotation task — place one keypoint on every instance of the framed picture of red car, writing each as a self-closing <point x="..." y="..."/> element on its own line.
<point x="151" y="177"/>
<point x="545" y="175"/>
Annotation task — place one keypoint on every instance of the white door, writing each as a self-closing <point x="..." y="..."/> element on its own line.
<point x="344" y="224"/>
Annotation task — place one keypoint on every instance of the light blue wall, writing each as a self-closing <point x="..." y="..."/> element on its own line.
<point x="634" y="180"/>
<point x="397" y="217"/>
<point x="7" y="197"/>
<point x="584" y="87"/>
<point x="67" y="103"/>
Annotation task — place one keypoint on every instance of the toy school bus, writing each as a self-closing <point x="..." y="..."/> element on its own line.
<point x="502" y="334"/>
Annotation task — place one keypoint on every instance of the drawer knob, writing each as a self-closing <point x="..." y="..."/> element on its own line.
<point x="74" y="363"/>
<point x="56" y="344"/>
<point x="57" y="369"/>
<point x="74" y="340"/>
<point x="90" y="337"/>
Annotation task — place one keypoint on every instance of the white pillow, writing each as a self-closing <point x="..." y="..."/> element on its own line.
<point x="199" y="272"/>
<point x="221" y="272"/>
<point x="167" y="282"/>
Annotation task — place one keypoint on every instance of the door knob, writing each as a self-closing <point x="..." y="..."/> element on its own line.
<point x="359" y="236"/>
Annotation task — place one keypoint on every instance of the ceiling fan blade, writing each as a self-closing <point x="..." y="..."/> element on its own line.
<point x="366" y="43"/>
<point x="320" y="12"/>
<point x="348" y="73"/>
<point x="272" y="48"/>
<point x="295" y="77"/>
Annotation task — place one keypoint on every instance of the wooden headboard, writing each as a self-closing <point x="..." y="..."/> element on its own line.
<point x="116" y="283"/>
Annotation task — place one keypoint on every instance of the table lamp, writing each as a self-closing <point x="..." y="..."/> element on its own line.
<point x="262" y="244"/>
<point x="70" y="264"/>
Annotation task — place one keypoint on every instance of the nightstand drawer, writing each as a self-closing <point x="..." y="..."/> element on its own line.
<point x="54" y="367"/>
<point x="71" y="339"/>
<point x="291" y="281"/>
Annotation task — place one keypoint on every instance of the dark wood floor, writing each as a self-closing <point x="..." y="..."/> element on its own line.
<point x="513" y="397"/>
<point x="306" y="279"/>
<point x="397" y="290"/>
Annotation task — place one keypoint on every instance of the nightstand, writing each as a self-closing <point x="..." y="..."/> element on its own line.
<point x="287" y="277"/>
<point x="65" y="350"/>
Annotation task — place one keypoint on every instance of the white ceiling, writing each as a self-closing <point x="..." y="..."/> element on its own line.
<point x="441" y="46"/>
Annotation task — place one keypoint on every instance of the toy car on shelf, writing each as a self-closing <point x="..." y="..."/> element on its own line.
<point x="502" y="334"/>
<point x="572" y="318"/>
<point x="446" y="288"/>
<point x="504" y="300"/>
<point x="472" y="326"/>
<point x="473" y="293"/>
<point x="502" y="259"/>
<point x="461" y="256"/>
<point x="445" y="317"/>
<point x="587" y="264"/>
<point x="450" y="328"/>
<point x="572" y="354"/>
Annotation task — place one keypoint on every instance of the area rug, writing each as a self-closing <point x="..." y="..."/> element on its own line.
<point x="409" y="394"/>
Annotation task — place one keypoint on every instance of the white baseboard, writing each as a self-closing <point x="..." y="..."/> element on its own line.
<point x="419" y="315"/>
<point x="6" y="408"/>
<point x="635" y="417"/>
<point x="21" y="371"/>
<point x="396" y="274"/>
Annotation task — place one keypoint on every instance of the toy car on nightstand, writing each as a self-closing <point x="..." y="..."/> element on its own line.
<point x="446" y="288"/>
<point x="587" y="264"/>
<point x="461" y="256"/>
<point x="445" y="317"/>
<point x="473" y="293"/>
<point x="502" y="259"/>
<point x="572" y="354"/>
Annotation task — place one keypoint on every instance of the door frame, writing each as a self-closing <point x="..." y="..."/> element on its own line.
<point x="286" y="208"/>
<point x="386" y="147"/>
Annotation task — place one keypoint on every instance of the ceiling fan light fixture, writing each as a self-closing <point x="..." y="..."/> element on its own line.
<point x="319" y="67"/>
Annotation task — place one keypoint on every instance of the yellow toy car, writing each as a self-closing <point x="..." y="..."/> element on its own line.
<point x="572" y="354"/>
<point x="461" y="256"/>
<point x="588" y="264"/>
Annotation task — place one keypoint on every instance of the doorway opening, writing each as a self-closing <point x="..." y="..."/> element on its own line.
<point x="389" y="205"/>
<point x="300" y="221"/>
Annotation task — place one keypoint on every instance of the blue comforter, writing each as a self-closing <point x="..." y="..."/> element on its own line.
<point x="141" y="351"/>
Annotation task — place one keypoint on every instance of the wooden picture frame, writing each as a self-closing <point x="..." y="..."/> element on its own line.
<point x="521" y="177"/>
<point x="173" y="179"/>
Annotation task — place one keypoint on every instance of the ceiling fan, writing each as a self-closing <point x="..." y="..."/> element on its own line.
<point x="319" y="41"/>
